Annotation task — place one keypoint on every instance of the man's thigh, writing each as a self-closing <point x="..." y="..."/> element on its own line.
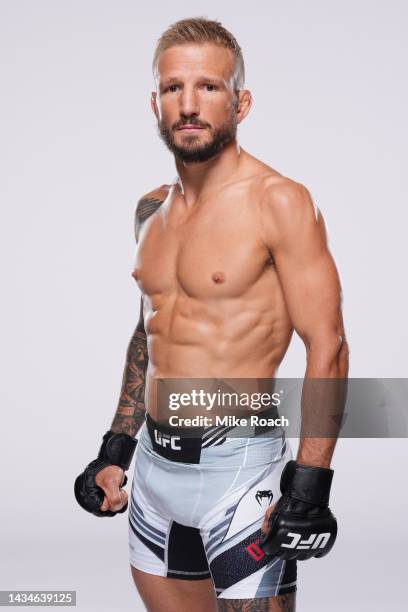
<point x="160" y="594"/>
<point x="231" y="532"/>
<point x="264" y="604"/>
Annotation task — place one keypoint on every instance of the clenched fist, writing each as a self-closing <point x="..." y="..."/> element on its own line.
<point x="99" y="488"/>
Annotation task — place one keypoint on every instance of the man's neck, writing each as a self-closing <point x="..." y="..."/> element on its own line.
<point x="199" y="178"/>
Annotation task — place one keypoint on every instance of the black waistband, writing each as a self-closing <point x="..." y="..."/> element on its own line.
<point x="185" y="445"/>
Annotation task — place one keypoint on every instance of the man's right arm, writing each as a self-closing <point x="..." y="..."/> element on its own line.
<point x="98" y="489"/>
<point x="130" y="413"/>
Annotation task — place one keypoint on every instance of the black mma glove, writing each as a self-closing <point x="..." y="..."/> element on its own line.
<point x="302" y="525"/>
<point x="116" y="449"/>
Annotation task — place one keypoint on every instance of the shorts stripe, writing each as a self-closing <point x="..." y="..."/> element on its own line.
<point x="151" y="536"/>
<point x="137" y="518"/>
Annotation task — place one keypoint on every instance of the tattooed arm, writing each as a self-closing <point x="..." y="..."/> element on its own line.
<point x="130" y="413"/>
<point x="107" y="471"/>
<point x="98" y="488"/>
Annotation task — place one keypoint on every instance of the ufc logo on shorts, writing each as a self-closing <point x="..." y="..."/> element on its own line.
<point x="165" y="440"/>
<point x="316" y="540"/>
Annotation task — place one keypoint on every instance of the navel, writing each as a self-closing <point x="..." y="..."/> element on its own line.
<point x="218" y="277"/>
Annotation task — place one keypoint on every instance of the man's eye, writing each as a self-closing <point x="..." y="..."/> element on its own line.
<point x="210" y="87"/>
<point x="171" y="88"/>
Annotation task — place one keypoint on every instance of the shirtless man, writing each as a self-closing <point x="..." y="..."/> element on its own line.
<point x="231" y="258"/>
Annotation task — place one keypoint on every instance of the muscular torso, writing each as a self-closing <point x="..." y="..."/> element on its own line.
<point x="212" y="303"/>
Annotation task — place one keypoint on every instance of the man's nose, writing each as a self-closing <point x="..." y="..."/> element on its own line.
<point x="189" y="104"/>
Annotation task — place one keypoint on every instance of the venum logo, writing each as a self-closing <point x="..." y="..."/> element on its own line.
<point x="166" y="440"/>
<point x="316" y="540"/>
<point x="261" y="495"/>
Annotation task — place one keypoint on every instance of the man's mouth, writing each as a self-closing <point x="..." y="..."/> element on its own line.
<point x="190" y="127"/>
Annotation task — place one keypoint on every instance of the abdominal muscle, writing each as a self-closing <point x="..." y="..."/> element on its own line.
<point x="240" y="338"/>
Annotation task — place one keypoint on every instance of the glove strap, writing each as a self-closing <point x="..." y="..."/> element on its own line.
<point x="117" y="449"/>
<point x="307" y="483"/>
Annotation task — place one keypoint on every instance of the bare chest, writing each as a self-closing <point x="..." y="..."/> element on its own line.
<point x="215" y="251"/>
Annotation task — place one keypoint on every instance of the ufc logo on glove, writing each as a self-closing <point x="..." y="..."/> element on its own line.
<point x="315" y="541"/>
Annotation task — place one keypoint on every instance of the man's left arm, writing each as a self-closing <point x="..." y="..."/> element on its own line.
<point x="295" y="233"/>
<point x="301" y="524"/>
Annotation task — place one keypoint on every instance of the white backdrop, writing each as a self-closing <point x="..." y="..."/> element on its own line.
<point x="78" y="147"/>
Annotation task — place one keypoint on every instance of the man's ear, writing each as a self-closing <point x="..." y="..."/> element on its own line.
<point x="243" y="103"/>
<point x="153" y="104"/>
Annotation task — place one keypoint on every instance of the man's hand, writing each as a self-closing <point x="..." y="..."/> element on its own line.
<point x="98" y="487"/>
<point x="265" y="524"/>
<point x="110" y="479"/>
<point x="300" y="525"/>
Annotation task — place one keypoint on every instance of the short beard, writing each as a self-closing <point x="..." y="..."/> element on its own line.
<point x="196" y="152"/>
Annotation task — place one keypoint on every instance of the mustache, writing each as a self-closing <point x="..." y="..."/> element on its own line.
<point x="192" y="121"/>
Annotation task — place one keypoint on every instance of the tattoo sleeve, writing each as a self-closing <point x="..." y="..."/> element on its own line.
<point x="130" y="413"/>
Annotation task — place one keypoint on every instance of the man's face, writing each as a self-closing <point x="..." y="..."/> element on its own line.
<point x="196" y="106"/>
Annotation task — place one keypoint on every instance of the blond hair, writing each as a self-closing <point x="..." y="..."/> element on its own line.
<point x="202" y="30"/>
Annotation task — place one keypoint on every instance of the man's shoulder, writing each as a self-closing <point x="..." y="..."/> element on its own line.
<point x="282" y="196"/>
<point x="148" y="204"/>
<point x="151" y="201"/>
<point x="275" y="190"/>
